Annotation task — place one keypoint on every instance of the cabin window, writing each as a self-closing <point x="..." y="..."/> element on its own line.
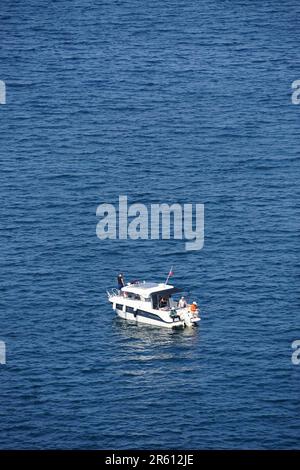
<point x="119" y="306"/>
<point x="133" y="296"/>
<point x="129" y="309"/>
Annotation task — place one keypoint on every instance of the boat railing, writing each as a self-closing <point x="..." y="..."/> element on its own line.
<point x="113" y="293"/>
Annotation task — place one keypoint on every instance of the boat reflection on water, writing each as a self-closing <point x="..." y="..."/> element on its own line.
<point x="153" y="335"/>
<point x="146" y="347"/>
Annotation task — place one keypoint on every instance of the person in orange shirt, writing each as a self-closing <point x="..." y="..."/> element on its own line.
<point x="194" y="307"/>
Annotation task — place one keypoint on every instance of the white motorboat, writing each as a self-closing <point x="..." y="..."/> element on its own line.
<point x="152" y="303"/>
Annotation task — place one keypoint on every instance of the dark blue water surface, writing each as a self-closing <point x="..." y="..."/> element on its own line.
<point x="162" y="101"/>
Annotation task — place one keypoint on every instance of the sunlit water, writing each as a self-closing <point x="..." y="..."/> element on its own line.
<point x="163" y="102"/>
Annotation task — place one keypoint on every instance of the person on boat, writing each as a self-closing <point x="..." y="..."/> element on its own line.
<point x="194" y="307"/>
<point x="182" y="302"/>
<point x="163" y="302"/>
<point x="121" y="282"/>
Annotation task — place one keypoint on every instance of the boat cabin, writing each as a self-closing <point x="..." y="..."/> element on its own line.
<point x="158" y="295"/>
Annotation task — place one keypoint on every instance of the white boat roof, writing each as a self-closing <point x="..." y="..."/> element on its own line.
<point x="145" y="289"/>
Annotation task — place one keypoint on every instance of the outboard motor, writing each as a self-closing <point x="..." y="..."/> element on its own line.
<point x="189" y="318"/>
<point x="186" y="317"/>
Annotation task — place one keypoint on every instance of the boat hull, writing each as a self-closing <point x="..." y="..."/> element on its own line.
<point x="147" y="319"/>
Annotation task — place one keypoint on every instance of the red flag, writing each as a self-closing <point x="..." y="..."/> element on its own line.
<point x="169" y="275"/>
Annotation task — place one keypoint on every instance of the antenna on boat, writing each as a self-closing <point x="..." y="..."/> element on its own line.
<point x="170" y="274"/>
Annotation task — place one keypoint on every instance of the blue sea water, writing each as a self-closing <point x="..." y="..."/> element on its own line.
<point x="162" y="101"/>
